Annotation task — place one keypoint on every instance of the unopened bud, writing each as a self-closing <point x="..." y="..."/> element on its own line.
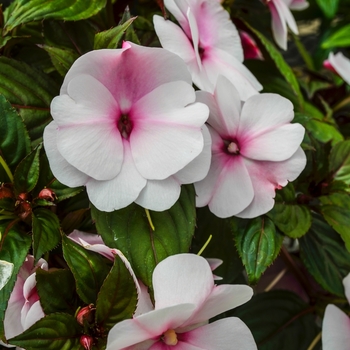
<point x="86" y="341"/>
<point x="47" y="194"/>
<point x="24" y="210"/>
<point x="86" y="314"/>
<point x="23" y="196"/>
<point x="6" y="191"/>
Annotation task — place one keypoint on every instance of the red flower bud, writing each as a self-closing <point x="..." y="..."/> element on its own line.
<point x="23" y="196"/>
<point x="6" y="191"/>
<point x="86" y="341"/>
<point x="86" y="314"/>
<point x="47" y="194"/>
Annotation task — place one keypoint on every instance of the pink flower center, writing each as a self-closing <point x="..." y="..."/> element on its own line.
<point x="232" y="147"/>
<point x="170" y="337"/>
<point x="125" y="126"/>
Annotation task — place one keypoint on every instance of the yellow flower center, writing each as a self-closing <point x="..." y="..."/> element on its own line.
<point x="170" y="337"/>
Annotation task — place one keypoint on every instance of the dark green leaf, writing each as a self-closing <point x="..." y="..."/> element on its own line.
<point x="62" y="59"/>
<point x="323" y="131"/>
<point x="89" y="269"/>
<point x="117" y="298"/>
<point x="14" y="141"/>
<point x="129" y="230"/>
<point x="258" y="245"/>
<point x="221" y="246"/>
<point x="46" y="231"/>
<point x="109" y="39"/>
<point x="27" y="173"/>
<point x="55" y="332"/>
<point x="14" y="248"/>
<point x="30" y="92"/>
<point x="279" y="320"/>
<point x="336" y="211"/>
<point x="292" y="219"/>
<point x="281" y="64"/>
<point x="325" y="256"/>
<point x="49" y="283"/>
<point x="23" y="11"/>
<point x="340" y="38"/>
<point x="339" y="161"/>
<point x="328" y="7"/>
<point x="130" y="34"/>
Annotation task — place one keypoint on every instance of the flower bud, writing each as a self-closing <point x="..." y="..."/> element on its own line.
<point x="86" y="314"/>
<point x="47" y="194"/>
<point x="6" y="191"/>
<point x="86" y="341"/>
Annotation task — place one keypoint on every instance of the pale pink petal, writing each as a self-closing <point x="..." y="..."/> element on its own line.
<point x="279" y="26"/>
<point x="277" y="144"/>
<point x="198" y="168"/>
<point x="159" y="195"/>
<point x="84" y="238"/>
<point x="298" y="5"/>
<point x="144" y="303"/>
<point x="94" y="149"/>
<point x="172" y="286"/>
<point x="178" y="8"/>
<point x="34" y="314"/>
<point x="87" y="102"/>
<point x="264" y="112"/>
<point x="120" y="191"/>
<point x="194" y="35"/>
<point x="29" y="285"/>
<point x="226" y="334"/>
<point x="266" y="177"/>
<point x="172" y="38"/>
<point x="12" y="321"/>
<point x="222" y="298"/>
<point x="341" y="64"/>
<point x="346" y="283"/>
<point x="285" y="13"/>
<point x="179" y="346"/>
<point x="147" y="326"/>
<point x="335" y="329"/>
<point x="214" y="263"/>
<point x="62" y="170"/>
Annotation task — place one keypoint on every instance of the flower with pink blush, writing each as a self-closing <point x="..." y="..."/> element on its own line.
<point x="255" y="150"/>
<point x="24" y="308"/>
<point x="208" y="42"/>
<point x="250" y="48"/>
<point x="339" y="64"/>
<point x="185" y="299"/>
<point x="336" y="324"/>
<point x="124" y="124"/>
<point x="282" y="17"/>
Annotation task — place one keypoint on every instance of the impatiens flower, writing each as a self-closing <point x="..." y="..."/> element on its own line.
<point x="336" y="324"/>
<point x="208" y="42"/>
<point x="185" y="299"/>
<point x="339" y="64"/>
<point x="125" y="125"/>
<point x="250" y="48"/>
<point x="255" y="150"/>
<point x="282" y="17"/>
<point x="24" y="308"/>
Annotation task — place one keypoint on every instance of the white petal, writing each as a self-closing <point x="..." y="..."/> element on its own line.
<point x="341" y="64"/>
<point x="62" y="170"/>
<point x="35" y="313"/>
<point x="285" y="13"/>
<point x="335" y="329"/>
<point x="119" y="192"/>
<point x="279" y="26"/>
<point x="159" y="195"/>
<point x="346" y="283"/>
<point x="175" y="283"/>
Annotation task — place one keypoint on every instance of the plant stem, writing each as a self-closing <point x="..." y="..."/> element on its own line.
<point x="6" y="168"/>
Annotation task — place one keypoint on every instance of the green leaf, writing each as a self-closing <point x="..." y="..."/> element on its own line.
<point x="340" y="38"/>
<point x="325" y="256"/>
<point x="281" y="64"/>
<point x="89" y="269"/>
<point x="278" y="320"/>
<point x="339" y="161"/>
<point x="48" y="283"/>
<point x="258" y="245"/>
<point x="14" y="246"/>
<point x="221" y="246"/>
<point x="46" y="231"/>
<point x="14" y="141"/>
<point x="118" y="296"/>
<point x="6" y="269"/>
<point x="30" y="92"/>
<point x="328" y="7"/>
<point x="129" y="231"/>
<point x="323" y="131"/>
<point x="27" y="173"/>
<point x="57" y="331"/>
<point x="109" y="39"/>
<point x="130" y="34"/>
<point x="292" y="219"/>
<point x="62" y="59"/>
<point x="336" y="211"/>
<point x="23" y="11"/>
